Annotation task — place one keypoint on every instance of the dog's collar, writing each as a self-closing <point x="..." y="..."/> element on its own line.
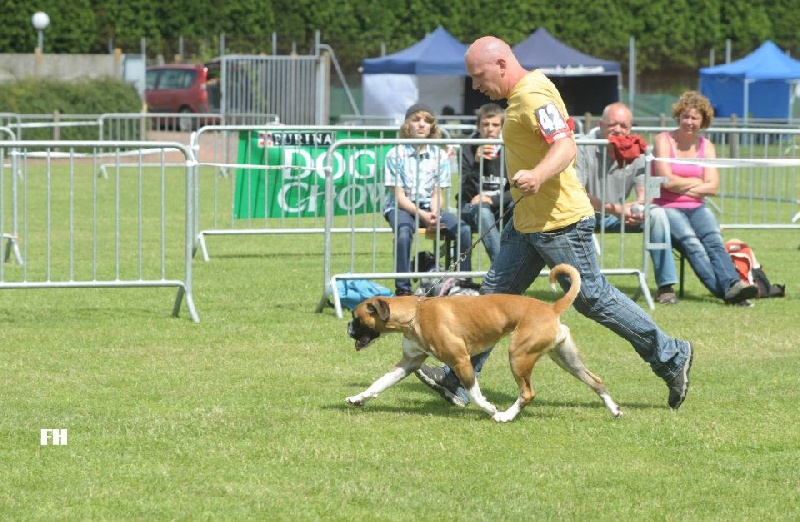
<point x="416" y="311"/>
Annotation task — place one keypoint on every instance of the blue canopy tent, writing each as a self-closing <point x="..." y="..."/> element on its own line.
<point x="431" y="71"/>
<point x="760" y="85"/>
<point x="437" y="54"/>
<point x="586" y="83"/>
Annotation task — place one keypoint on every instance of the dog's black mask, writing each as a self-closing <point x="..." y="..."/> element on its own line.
<point x="361" y="333"/>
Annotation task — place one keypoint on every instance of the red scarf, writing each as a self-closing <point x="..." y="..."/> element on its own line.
<point x="627" y="148"/>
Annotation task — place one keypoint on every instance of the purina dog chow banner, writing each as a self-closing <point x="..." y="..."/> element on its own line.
<point x="292" y="182"/>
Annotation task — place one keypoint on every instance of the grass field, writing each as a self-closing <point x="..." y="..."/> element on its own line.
<point x="243" y="416"/>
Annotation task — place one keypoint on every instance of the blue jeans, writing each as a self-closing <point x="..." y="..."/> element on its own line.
<point x="521" y="258"/>
<point x="480" y="217"/>
<point x="663" y="262"/>
<point x="696" y="233"/>
<point x="405" y="227"/>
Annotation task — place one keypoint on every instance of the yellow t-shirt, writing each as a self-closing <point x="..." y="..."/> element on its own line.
<point x="535" y="114"/>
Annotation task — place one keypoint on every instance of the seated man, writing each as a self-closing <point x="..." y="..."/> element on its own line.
<point x="620" y="178"/>
<point x="485" y="194"/>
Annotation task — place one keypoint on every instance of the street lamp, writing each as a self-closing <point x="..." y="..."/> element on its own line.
<point x="40" y="21"/>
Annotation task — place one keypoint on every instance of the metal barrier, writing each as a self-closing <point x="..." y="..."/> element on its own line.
<point x="369" y="243"/>
<point x="291" y="202"/>
<point x="216" y="192"/>
<point x="11" y="122"/>
<point x="755" y="192"/>
<point x="369" y="253"/>
<point x="759" y="184"/>
<point x="291" y="86"/>
<point x="133" y="230"/>
<point x="157" y="126"/>
<point x="612" y="251"/>
<point x="55" y="123"/>
<point x="166" y="127"/>
<point x="9" y="200"/>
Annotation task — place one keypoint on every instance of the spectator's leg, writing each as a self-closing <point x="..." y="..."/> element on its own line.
<point x="486" y="221"/>
<point x="708" y="232"/>
<point x="685" y="238"/>
<point x="404" y="227"/>
<point x="456" y="228"/>
<point x="683" y="273"/>
<point x="663" y="260"/>
<point x="610" y="223"/>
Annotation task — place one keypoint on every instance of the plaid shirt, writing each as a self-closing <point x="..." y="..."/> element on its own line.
<point x="419" y="174"/>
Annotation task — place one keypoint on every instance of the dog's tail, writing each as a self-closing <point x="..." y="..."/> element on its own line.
<point x="575" y="286"/>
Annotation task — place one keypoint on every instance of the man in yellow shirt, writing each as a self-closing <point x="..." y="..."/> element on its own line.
<point x="553" y="221"/>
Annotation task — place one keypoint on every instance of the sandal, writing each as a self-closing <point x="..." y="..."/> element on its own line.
<point x="666" y="296"/>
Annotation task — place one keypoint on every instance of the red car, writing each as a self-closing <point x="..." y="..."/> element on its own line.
<point x="182" y="88"/>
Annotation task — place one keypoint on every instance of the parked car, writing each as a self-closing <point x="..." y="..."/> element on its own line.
<point x="182" y="88"/>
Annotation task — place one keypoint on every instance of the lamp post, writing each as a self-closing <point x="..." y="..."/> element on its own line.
<point x="40" y="21"/>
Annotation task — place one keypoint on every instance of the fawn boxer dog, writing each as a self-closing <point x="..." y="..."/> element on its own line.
<point x="454" y="328"/>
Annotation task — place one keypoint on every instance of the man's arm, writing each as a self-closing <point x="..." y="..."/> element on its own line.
<point x="558" y="157"/>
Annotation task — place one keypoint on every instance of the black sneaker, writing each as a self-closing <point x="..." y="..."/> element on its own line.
<point x="739" y="292"/>
<point x="679" y="385"/>
<point x="434" y="378"/>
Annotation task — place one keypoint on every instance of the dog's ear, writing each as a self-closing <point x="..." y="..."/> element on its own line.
<point x="379" y="307"/>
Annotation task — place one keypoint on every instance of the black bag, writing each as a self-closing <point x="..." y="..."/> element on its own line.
<point x="750" y="270"/>
<point x="765" y="288"/>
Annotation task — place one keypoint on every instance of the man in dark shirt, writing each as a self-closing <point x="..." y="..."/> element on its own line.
<point x="485" y="192"/>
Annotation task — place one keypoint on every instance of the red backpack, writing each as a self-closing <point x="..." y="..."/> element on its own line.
<point x="750" y="271"/>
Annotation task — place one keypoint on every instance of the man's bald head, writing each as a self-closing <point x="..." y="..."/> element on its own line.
<point x="493" y="67"/>
<point x="487" y="48"/>
<point x="617" y="119"/>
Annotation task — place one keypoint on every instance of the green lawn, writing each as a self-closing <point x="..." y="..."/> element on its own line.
<point x="242" y="416"/>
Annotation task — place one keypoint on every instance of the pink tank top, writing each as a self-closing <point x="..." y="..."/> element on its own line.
<point x="671" y="199"/>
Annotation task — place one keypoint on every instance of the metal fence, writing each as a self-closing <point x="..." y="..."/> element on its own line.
<point x="268" y="178"/>
<point x="138" y="126"/>
<point x="262" y="180"/>
<point x="289" y="86"/>
<point x="759" y="189"/>
<point x="758" y="168"/>
<point x="72" y="228"/>
<point x="367" y="254"/>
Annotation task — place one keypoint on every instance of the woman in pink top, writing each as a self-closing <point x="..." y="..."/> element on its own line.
<point x="693" y="228"/>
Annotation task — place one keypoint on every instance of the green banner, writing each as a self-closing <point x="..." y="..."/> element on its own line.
<point x="293" y="184"/>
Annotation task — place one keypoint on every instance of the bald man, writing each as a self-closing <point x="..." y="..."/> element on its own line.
<point x="553" y="221"/>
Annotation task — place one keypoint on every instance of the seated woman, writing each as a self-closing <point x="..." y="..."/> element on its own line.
<point x="416" y="175"/>
<point x="694" y="230"/>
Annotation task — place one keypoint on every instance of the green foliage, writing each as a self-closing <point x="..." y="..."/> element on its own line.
<point x="673" y="36"/>
<point x="745" y="25"/>
<point x="72" y="26"/>
<point x="45" y="96"/>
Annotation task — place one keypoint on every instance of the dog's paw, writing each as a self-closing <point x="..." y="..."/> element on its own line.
<point x="354" y="401"/>
<point x="504" y="416"/>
